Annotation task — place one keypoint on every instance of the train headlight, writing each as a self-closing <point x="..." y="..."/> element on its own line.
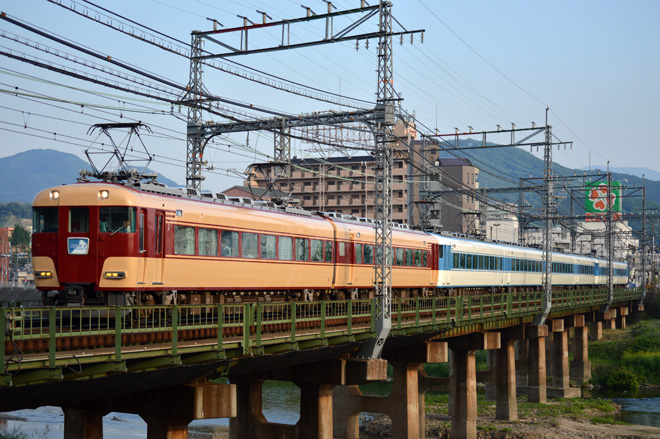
<point x="114" y="274"/>
<point x="54" y="195"/>
<point x="44" y="274"/>
<point x="103" y="194"/>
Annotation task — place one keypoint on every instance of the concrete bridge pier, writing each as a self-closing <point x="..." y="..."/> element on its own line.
<point x="536" y="373"/>
<point x="560" y="371"/>
<point x="580" y="367"/>
<point x="595" y="325"/>
<point x="167" y="412"/>
<point x="621" y="317"/>
<point x="463" y="383"/>
<point x="609" y="318"/>
<point x="316" y="382"/>
<point x="84" y="424"/>
<point x="504" y="376"/>
<point x="404" y="405"/>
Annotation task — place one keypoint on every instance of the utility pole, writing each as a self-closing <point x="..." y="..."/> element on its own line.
<point x="195" y="142"/>
<point x="548" y="209"/>
<point x="381" y="119"/>
<point x="384" y="136"/>
<point x="609" y="234"/>
<point x="643" y="245"/>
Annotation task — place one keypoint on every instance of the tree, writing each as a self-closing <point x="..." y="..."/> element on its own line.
<point x="20" y="238"/>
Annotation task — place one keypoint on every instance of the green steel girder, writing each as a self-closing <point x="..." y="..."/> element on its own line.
<point x="37" y="376"/>
<point x="315" y="343"/>
<point x="281" y="347"/>
<point x="457" y="319"/>
<point x="99" y="369"/>
<point x="204" y="357"/>
<point x="154" y="363"/>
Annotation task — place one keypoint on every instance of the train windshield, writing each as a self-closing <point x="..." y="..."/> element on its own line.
<point x="117" y="219"/>
<point x="45" y="220"/>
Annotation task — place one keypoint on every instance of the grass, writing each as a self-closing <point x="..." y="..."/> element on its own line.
<point x="576" y="408"/>
<point x="625" y="358"/>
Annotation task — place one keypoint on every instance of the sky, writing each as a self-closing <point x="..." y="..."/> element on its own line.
<point x="481" y="64"/>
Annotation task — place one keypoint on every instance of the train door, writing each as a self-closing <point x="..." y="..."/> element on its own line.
<point x="351" y="260"/>
<point x="142" y="246"/>
<point x="79" y="264"/>
<point x="159" y="244"/>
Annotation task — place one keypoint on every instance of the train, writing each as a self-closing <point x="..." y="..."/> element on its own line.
<point x="142" y="243"/>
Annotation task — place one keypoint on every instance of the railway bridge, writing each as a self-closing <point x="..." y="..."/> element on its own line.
<point x="174" y="364"/>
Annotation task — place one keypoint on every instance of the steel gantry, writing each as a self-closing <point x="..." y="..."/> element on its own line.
<point x="380" y="120"/>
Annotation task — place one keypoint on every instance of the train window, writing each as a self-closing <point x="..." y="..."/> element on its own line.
<point x="418" y="258"/>
<point x="425" y="258"/>
<point x="409" y="257"/>
<point x="249" y="245"/>
<point x="468" y="261"/>
<point x="268" y="247"/>
<point x="184" y="240"/>
<point x="302" y="249"/>
<point x="229" y="243"/>
<point x="368" y="254"/>
<point x="117" y="219"/>
<point x="358" y="253"/>
<point x="487" y="262"/>
<point x="328" y="251"/>
<point x="317" y="250"/>
<point x="286" y="248"/>
<point x="456" y="260"/>
<point x="159" y="233"/>
<point x="45" y="220"/>
<point x="141" y="232"/>
<point x="208" y="242"/>
<point x="79" y="220"/>
<point x="342" y="249"/>
<point x="399" y="256"/>
<point x="482" y="264"/>
<point x="441" y="251"/>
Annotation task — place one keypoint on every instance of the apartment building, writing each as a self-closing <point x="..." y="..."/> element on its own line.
<point x="346" y="184"/>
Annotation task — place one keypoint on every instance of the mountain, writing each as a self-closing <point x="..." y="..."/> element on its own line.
<point x="24" y="174"/>
<point x="649" y="174"/>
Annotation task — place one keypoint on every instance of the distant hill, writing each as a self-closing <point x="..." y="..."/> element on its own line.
<point x="23" y="175"/>
<point x="515" y="163"/>
<point x="649" y="174"/>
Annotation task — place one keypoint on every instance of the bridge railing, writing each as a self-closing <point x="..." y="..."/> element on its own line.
<point x="55" y="331"/>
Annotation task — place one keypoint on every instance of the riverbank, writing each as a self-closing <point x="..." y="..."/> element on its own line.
<point x="574" y="418"/>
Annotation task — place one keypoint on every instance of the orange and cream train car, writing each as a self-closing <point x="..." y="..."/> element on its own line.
<point x="117" y="244"/>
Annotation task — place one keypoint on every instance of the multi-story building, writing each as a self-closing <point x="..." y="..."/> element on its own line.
<point x="346" y="184"/>
<point x="5" y="255"/>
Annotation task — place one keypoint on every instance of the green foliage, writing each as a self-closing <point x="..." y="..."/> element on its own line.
<point x="14" y="211"/>
<point x="440" y="370"/>
<point x="646" y="337"/>
<point x="620" y="379"/>
<point x="20" y="238"/>
<point x="645" y="364"/>
<point x="608" y="420"/>
<point x="14" y="433"/>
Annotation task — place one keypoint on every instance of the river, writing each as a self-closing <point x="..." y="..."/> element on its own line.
<point x="281" y="402"/>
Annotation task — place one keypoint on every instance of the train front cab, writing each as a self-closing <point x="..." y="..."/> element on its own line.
<point x="77" y="229"/>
